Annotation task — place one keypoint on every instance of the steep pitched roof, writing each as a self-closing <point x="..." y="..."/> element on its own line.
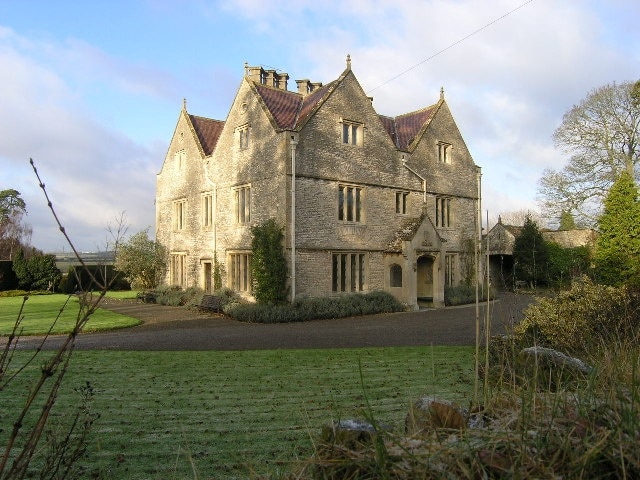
<point x="407" y="231"/>
<point x="289" y="110"/>
<point x="281" y="104"/>
<point x="313" y="101"/>
<point x="514" y="230"/>
<point x="208" y="132"/>
<point x="403" y="129"/>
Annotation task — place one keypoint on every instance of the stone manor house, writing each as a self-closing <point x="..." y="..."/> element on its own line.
<point x="366" y="202"/>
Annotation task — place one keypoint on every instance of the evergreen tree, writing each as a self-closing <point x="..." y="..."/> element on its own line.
<point x="530" y="254"/>
<point x="37" y="272"/>
<point x="617" y="256"/>
<point x="567" y="222"/>
<point x="268" y="263"/>
<point x="44" y="272"/>
<point x="21" y="270"/>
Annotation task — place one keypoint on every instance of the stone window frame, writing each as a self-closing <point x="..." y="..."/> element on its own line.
<point x="350" y="203"/>
<point x="402" y="197"/>
<point x="450" y="269"/>
<point x="180" y="158"/>
<point x="351" y="132"/>
<point x="179" y="214"/>
<point x="395" y="276"/>
<point x="178" y="268"/>
<point x="242" y="204"/>
<point x="208" y="205"/>
<point x="243" y="133"/>
<point x="239" y="271"/>
<point x="444" y="213"/>
<point x="349" y="271"/>
<point x="445" y="152"/>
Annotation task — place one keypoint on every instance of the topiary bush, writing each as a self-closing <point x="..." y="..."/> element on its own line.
<point x="587" y="316"/>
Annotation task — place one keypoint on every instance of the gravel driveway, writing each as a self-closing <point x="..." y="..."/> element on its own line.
<point x="175" y="328"/>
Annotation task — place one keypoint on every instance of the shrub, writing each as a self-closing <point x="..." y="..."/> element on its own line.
<point x="316" y="308"/>
<point x="585" y="317"/>
<point x="174" y="296"/>
<point x="465" y="294"/>
<point x="37" y="271"/>
<point x="268" y="263"/>
<point x="8" y="279"/>
<point x="566" y="264"/>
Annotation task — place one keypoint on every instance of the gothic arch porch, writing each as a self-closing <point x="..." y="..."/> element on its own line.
<point x="424" y="280"/>
<point x="415" y="274"/>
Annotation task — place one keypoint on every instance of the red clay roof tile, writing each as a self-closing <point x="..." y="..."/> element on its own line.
<point x="208" y="132"/>
<point x="282" y="104"/>
<point x="407" y="126"/>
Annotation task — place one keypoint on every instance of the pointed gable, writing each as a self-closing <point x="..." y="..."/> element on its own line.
<point x="291" y="110"/>
<point x="207" y="131"/>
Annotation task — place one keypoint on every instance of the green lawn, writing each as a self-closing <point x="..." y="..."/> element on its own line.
<point x="237" y="415"/>
<point x="40" y="310"/>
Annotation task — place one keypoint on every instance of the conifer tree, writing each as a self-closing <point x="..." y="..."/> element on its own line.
<point x="617" y="256"/>
<point x="530" y="254"/>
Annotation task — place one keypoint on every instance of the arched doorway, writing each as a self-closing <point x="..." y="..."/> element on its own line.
<point x="424" y="280"/>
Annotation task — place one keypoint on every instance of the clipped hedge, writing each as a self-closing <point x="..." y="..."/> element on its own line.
<point x="307" y="308"/>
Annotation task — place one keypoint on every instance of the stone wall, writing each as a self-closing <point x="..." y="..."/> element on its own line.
<point x="323" y="164"/>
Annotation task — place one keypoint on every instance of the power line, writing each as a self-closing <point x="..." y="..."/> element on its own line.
<point x="453" y="44"/>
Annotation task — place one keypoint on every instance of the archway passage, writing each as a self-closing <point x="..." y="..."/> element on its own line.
<point x="501" y="271"/>
<point x="424" y="281"/>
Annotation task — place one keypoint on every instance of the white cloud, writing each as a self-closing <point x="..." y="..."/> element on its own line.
<point x="97" y="121"/>
<point x="92" y="173"/>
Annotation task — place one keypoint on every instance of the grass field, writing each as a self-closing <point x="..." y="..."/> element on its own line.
<point x="40" y="310"/>
<point x="238" y="415"/>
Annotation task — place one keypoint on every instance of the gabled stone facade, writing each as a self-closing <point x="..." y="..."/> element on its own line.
<point x="367" y="202"/>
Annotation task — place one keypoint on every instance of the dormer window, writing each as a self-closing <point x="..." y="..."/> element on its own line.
<point x="352" y="132"/>
<point x="444" y="152"/>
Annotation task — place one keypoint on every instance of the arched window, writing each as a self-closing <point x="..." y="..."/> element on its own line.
<point x="395" y="275"/>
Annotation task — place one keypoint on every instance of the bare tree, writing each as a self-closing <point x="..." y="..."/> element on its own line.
<point x="14" y="233"/>
<point x="518" y="217"/>
<point x="601" y="136"/>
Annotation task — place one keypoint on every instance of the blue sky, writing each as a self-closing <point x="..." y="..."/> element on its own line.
<point x="92" y="90"/>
